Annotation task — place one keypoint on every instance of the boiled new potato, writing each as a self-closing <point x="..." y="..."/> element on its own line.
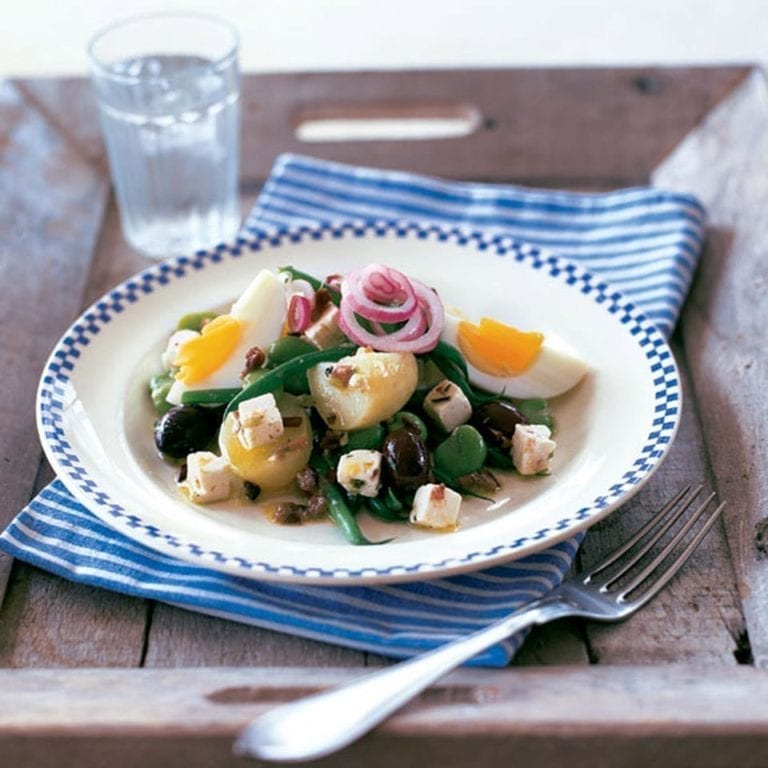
<point x="272" y="466"/>
<point x="363" y="389"/>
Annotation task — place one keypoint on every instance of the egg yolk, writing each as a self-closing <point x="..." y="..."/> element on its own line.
<point x="206" y="353"/>
<point x="498" y="349"/>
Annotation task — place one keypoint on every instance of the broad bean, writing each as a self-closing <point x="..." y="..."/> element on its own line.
<point x="464" y="451"/>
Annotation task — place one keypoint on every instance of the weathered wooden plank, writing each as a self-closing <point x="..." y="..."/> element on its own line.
<point x="184" y="639"/>
<point x="69" y="106"/>
<point x="697" y="618"/>
<point x="540" y="125"/>
<point x="46" y="621"/>
<point x="51" y="206"/>
<point x="49" y="622"/>
<point x="587" y="124"/>
<point x="725" y="321"/>
<point x="179" y="638"/>
<point x="113" y="260"/>
<point x="579" y="717"/>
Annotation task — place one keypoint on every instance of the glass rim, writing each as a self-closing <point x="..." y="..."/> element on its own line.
<point x="107" y="70"/>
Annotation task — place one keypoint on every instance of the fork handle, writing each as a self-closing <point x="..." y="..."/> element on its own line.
<point x="323" y="723"/>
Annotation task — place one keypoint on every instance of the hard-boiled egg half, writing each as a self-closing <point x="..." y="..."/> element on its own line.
<point x="215" y="358"/>
<point x="520" y="364"/>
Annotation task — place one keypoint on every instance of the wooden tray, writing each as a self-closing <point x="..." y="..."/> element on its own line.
<point x="92" y="678"/>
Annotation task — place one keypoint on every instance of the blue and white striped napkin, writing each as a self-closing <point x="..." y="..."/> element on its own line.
<point x="644" y="241"/>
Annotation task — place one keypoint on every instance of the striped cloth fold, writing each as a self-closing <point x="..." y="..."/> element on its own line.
<point x="644" y="241"/>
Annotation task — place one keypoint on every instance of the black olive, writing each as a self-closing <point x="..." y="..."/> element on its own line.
<point x="186" y="429"/>
<point x="405" y="460"/>
<point x="496" y="422"/>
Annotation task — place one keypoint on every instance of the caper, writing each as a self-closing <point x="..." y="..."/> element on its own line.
<point x="405" y="461"/>
<point x="496" y="422"/>
<point x="186" y="429"/>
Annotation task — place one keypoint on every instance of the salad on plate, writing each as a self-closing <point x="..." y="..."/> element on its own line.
<point x="320" y="398"/>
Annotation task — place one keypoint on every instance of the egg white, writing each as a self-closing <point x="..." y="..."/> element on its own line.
<point x="557" y="368"/>
<point x="261" y="309"/>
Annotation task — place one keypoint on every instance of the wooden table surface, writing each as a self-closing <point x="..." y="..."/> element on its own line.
<point x="92" y="678"/>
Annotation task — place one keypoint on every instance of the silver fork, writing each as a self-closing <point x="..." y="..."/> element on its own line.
<point x="623" y="582"/>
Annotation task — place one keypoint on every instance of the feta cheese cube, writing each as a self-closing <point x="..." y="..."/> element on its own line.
<point x="208" y="477"/>
<point x="260" y="421"/>
<point x="325" y="332"/>
<point x="447" y="405"/>
<point x="435" y="506"/>
<point x="359" y="472"/>
<point x="532" y="449"/>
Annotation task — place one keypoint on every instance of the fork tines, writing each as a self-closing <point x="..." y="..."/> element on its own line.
<point x="656" y="558"/>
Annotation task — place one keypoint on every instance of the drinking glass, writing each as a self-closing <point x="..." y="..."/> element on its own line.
<point x="168" y="93"/>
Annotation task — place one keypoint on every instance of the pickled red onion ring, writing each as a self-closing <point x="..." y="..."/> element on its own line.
<point x="367" y="289"/>
<point x="302" y="287"/>
<point x="431" y="305"/>
<point x="387" y="342"/>
<point x="385" y="284"/>
<point x="362" y="292"/>
<point x="299" y="314"/>
<point x="333" y="281"/>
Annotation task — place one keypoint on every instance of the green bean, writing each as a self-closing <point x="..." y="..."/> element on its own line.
<point x="340" y="513"/>
<point x="454" y="484"/>
<point x="159" y="387"/>
<point x="454" y="373"/>
<point x="276" y="377"/>
<point x="449" y="370"/>
<point x="254" y="375"/>
<point x="194" y="321"/>
<point x="297" y="274"/>
<point x="378" y="508"/>
<point x="464" y="451"/>
<point x="450" y="353"/>
<point x="352" y="500"/>
<point x="338" y="510"/>
<point x="368" y="438"/>
<point x="208" y="396"/>
<point x="497" y="458"/>
<point x="447" y="479"/>
<point x="289" y="348"/>
<point x="392" y="501"/>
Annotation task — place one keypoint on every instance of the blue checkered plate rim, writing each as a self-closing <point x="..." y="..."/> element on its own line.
<point x="613" y="429"/>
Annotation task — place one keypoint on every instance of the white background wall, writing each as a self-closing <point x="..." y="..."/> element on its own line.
<point x="39" y="37"/>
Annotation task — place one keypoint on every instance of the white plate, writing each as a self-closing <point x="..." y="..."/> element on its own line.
<point x="613" y="430"/>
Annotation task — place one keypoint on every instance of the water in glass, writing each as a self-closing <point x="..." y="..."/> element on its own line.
<point x="171" y="127"/>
